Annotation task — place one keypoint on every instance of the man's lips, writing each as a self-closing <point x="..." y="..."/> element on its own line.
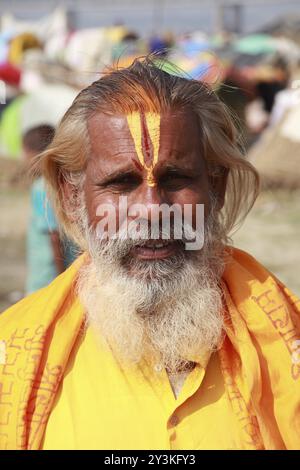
<point x="155" y="249"/>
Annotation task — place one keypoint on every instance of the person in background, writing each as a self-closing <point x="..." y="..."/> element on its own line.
<point x="47" y="254"/>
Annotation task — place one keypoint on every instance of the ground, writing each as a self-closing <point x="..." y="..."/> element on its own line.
<point x="270" y="233"/>
<point x="14" y="217"/>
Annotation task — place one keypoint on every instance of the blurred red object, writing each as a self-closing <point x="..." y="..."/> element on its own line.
<point x="10" y="74"/>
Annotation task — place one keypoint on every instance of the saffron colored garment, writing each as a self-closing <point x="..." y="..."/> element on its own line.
<point x="60" y="389"/>
<point x="136" y="409"/>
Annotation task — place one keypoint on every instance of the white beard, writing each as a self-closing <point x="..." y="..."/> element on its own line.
<point x="170" y="313"/>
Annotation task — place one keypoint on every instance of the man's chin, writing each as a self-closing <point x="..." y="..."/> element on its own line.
<point x="155" y="269"/>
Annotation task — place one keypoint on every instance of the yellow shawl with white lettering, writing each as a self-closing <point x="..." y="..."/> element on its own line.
<point x="260" y="356"/>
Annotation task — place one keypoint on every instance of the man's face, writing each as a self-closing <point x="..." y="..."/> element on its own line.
<point x="150" y="159"/>
<point x="164" y="299"/>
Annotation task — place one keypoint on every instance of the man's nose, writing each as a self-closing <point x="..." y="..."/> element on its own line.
<point x="150" y="198"/>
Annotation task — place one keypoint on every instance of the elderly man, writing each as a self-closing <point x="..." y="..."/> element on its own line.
<point x="151" y="341"/>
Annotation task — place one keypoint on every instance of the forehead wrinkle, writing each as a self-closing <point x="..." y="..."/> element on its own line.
<point x="109" y="143"/>
<point x="113" y="128"/>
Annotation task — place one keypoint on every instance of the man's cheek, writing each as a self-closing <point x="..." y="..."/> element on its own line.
<point x="97" y="203"/>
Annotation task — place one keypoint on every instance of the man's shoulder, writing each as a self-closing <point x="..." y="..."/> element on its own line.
<point x="20" y="311"/>
<point x="244" y="273"/>
<point x="244" y="262"/>
<point x="38" y="308"/>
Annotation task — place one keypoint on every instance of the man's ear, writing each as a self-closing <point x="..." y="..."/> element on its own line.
<point x="70" y="195"/>
<point x="218" y="186"/>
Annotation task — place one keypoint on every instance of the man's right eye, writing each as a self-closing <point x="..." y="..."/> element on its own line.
<point x="123" y="183"/>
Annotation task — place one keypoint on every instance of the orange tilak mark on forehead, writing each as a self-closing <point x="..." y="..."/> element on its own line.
<point x="145" y="131"/>
<point x="146" y="141"/>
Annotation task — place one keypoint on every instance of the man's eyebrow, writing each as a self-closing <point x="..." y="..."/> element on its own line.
<point x="171" y="168"/>
<point x="117" y="175"/>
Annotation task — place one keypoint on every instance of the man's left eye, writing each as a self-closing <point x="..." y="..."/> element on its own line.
<point x="176" y="181"/>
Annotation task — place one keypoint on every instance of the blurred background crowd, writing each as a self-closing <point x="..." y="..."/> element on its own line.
<point x="248" y="51"/>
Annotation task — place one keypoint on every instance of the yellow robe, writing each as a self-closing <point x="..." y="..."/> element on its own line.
<point x="101" y="405"/>
<point x="252" y="384"/>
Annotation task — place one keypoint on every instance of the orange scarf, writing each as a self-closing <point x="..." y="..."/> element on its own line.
<point x="260" y="356"/>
